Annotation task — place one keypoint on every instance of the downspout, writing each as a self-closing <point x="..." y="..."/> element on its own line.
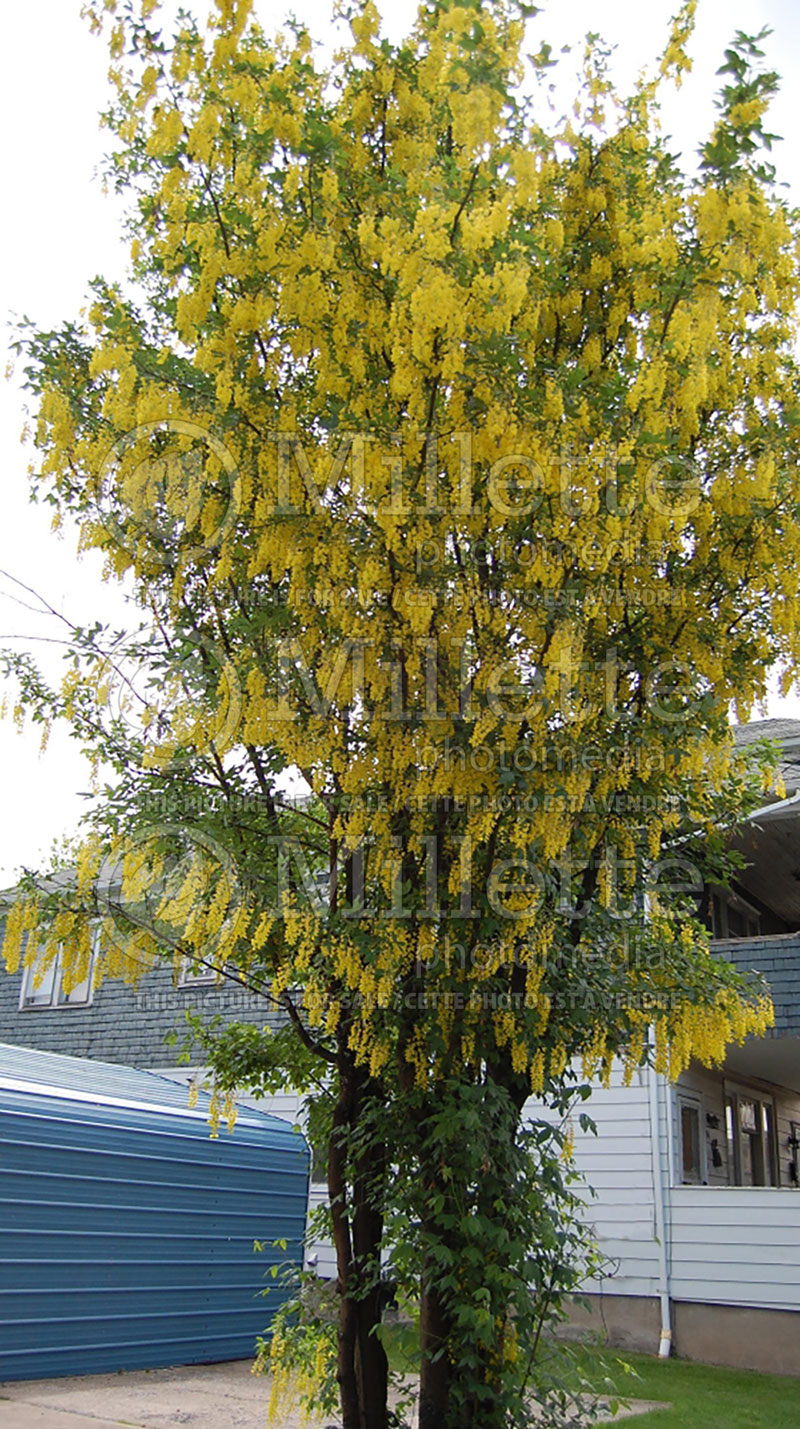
<point x="665" y="1340"/>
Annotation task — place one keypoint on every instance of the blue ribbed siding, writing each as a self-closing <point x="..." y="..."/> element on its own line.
<point x="126" y="1233"/>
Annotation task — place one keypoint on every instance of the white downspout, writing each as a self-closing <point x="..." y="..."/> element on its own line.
<point x="665" y="1340"/>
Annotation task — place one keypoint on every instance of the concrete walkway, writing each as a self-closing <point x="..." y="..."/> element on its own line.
<point x="198" y="1396"/>
<point x="221" y="1396"/>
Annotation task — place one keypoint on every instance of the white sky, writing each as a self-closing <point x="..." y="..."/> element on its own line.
<point x="60" y="230"/>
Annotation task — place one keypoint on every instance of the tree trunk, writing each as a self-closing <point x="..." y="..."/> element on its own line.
<point x="362" y="1369"/>
<point x="372" y="1369"/>
<point x="337" y="1192"/>
<point x="485" y="1177"/>
<point x="434" y="1377"/>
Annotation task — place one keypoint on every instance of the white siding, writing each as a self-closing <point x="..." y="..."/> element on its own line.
<point x="320" y="1254"/>
<point x="725" y="1245"/>
<point x="736" y="1245"/>
<point x="617" y="1164"/>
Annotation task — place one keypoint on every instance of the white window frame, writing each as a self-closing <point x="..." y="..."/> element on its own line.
<point x="30" y="999"/>
<point x="693" y="1101"/>
<point x="205" y="977"/>
<point x="768" y="1136"/>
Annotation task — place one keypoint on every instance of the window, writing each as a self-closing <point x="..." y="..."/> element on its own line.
<point x="195" y="974"/>
<point x="750" y="1127"/>
<point x="691" y="1140"/>
<point x="794" y="1149"/>
<point x="319" y="1164"/>
<point x="43" y="987"/>
<point x="731" y="916"/>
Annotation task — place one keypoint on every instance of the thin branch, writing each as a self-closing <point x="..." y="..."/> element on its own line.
<point x="465" y="200"/>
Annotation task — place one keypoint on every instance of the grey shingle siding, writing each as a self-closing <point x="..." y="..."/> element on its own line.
<point x="777" y="730"/>
<point x="124" y="1024"/>
<point x="778" y="958"/>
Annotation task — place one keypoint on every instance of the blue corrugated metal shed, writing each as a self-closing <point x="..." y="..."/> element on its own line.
<point x="127" y="1233"/>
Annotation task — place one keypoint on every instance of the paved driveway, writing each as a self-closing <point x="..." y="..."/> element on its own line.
<point x="198" y="1397"/>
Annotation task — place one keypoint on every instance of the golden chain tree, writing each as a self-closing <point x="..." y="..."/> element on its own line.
<point x="453" y="461"/>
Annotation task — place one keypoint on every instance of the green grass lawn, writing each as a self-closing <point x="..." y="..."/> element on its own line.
<point x="700" y="1396"/>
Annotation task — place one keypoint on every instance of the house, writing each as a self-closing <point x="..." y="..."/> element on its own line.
<point x="697" y="1204"/>
<point x="143" y="1026"/>
<point x="126" y="1232"/>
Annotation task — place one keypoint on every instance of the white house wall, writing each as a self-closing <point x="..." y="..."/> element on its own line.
<point x="727" y="1245"/>
<point x="736" y="1245"/>
<point x="618" y="1164"/>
